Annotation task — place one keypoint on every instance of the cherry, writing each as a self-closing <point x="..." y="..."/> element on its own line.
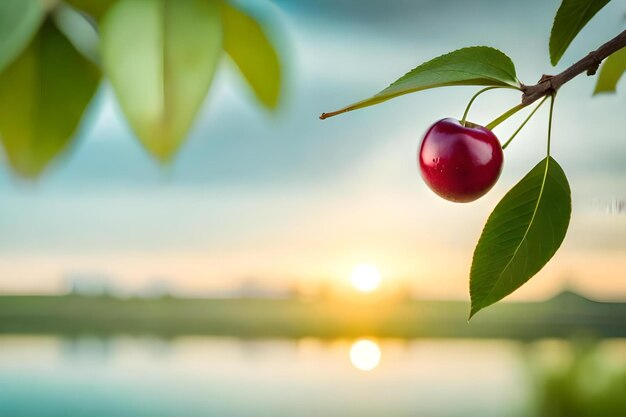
<point x="460" y="163"/>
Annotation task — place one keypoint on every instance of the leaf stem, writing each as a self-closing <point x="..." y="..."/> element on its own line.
<point x="552" y="96"/>
<point x="467" y="109"/>
<point x="505" y="116"/>
<point x="532" y="113"/>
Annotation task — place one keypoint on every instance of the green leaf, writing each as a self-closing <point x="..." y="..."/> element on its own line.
<point x="249" y="47"/>
<point x="521" y="235"/>
<point x="78" y="29"/>
<point x="43" y="95"/>
<point x="571" y="17"/>
<point x="477" y="65"/>
<point x="162" y="72"/>
<point x="94" y="8"/>
<point x="19" y="21"/>
<point x="611" y="72"/>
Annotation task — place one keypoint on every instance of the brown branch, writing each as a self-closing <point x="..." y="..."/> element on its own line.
<point x="590" y="63"/>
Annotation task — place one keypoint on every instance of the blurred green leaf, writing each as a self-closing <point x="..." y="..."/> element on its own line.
<point x="78" y="30"/>
<point x="611" y="72"/>
<point x="19" y="20"/>
<point x="248" y="46"/>
<point x="521" y="235"/>
<point x="160" y="56"/>
<point x="43" y="95"/>
<point x="571" y="17"/>
<point x="477" y="65"/>
<point x="94" y="8"/>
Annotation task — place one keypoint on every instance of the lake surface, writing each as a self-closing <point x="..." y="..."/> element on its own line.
<point x="206" y="376"/>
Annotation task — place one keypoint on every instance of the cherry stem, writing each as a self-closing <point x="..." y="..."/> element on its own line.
<point x="467" y="109"/>
<point x="532" y="113"/>
<point x="552" y="96"/>
<point x="505" y="116"/>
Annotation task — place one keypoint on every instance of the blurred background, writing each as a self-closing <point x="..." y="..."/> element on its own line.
<point x="281" y="265"/>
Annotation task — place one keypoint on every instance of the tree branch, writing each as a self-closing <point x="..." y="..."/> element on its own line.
<point x="590" y="63"/>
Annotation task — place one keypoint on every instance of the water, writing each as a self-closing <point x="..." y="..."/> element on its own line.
<point x="206" y="376"/>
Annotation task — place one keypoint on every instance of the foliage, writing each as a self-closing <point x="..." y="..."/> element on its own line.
<point x="478" y="65"/>
<point x="590" y="381"/>
<point x="161" y="74"/>
<point x="571" y="17"/>
<point x="253" y="53"/>
<point x="35" y="127"/>
<point x="19" y="21"/>
<point x="529" y="224"/>
<point x="524" y="231"/>
<point x="611" y="72"/>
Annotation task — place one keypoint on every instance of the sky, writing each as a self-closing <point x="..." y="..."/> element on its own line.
<point x="287" y="200"/>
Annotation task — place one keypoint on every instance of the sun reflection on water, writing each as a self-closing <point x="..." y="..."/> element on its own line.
<point x="365" y="354"/>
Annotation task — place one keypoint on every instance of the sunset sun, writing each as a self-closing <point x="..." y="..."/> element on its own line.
<point x="365" y="277"/>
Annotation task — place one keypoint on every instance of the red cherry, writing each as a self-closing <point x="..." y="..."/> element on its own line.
<point x="460" y="163"/>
